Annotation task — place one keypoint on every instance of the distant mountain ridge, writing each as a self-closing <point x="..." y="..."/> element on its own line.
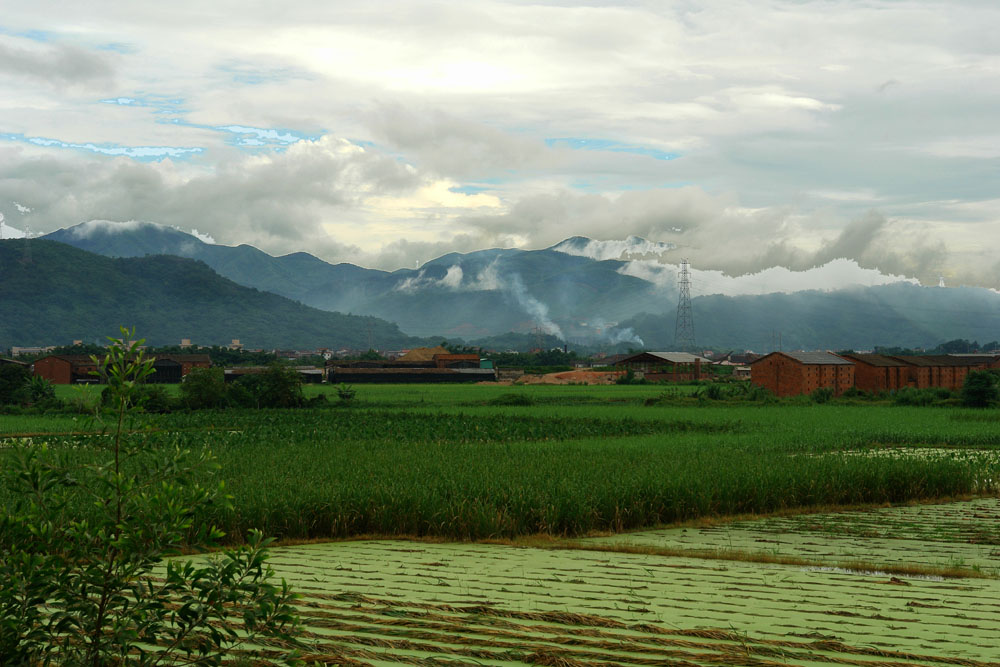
<point x="58" y="293"/>
<point x="459" y="295"/>
<point x="599" y="293"/>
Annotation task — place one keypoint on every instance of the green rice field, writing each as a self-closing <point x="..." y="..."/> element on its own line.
<point x="575" y="525"/>
<point x="455" y="462"/>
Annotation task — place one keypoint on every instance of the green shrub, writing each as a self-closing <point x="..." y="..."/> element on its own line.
<point x="155" y="398"/>
<point x="204" y="388"/>
<point x="821" y="395"/>
<point x="854" y="392"/>
<point x="14" y="380"/>
<point x="277" y="387"/>
<point x="715" y="392"/>
<point x="980" y="389"/>
<point x="913" y="396"/>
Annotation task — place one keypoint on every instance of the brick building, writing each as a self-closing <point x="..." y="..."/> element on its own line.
<point x="665" y="366"/>
<point x="876" y="372"/>
<point x="941" y="370"/>
<point x="793" y="373"/>
<point x="66" y="368"/>
<point x="78" y="368"/>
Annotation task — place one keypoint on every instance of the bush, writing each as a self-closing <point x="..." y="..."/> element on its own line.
<point x="854" y="392"/>
<point x="821" y="395"/>
<point x="155" y="398"/>
<point x="14" y="379"/>
<point x="346" y="393"/>
<point x="913" y="396"/>
<point x="715" y="392"/>
<point x="277" y="387"/>
<point x="980" y="389"/>
<point x="204" y="388"/>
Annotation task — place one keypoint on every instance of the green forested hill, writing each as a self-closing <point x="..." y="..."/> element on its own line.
<point x="56" y="293"/>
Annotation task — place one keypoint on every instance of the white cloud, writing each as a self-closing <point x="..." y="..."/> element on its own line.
<point x="629" y="248"/>
<point x="395" y="132"/>
<point x="835" y="274"/>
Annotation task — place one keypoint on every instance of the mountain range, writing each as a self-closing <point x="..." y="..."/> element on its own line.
<point x="594" y="293"/>
<point x="52" y="293"/>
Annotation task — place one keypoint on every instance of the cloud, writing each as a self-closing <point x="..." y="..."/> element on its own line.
<point x="279" y="201"/>
<point x="54" y="64"/>
<point x="390" y="134"/>
<point x="632" y="247"/>
<point x="450" y="145"/>
<point x="452" y="280"/>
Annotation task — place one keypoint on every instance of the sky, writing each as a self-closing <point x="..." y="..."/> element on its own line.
<point x="749" y="135"/>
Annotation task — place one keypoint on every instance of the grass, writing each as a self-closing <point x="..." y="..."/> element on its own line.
<point x="449" y="461"/>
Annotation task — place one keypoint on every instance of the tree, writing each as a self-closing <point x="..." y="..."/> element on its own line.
<point x="980" y="389"/>
<point x="204" y="388"/>
<point x="13" y="382"/>
<point x="82" y="551"/>
<point x="277" y="387"/>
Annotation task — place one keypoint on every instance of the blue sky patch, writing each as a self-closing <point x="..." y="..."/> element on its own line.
<point x="582" y="144"/>
<point x="142" y="153"/>
<point x="158" y="103"/>
<point x="468" y="189"/>
<point x="118" y="47"/>
<point x="33" y="35"/>
<point x="258" y="136"/>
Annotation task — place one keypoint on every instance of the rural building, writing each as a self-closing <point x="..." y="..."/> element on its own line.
<point x="422" y="354"/>
<point x="404" y="374"/>
<point x="793" y="373"/>
<point x="13" y="362"/>
<point x="78" y="368"/>
<point x="989" y="361"/>
<point x="876" y="372"/>
<point x="66" y="368"/>
<point x="171" y="368"/>
<point x="941" y="370"/>
<point x="736" y="359"/>
<point x="422" y="364"/>
<point x="456" y="361"/>
<point x="307" y="374"/>
<point x="665" y="366"/>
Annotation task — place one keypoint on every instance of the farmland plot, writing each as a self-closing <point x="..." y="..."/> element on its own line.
<point x="381" y="602"/>
<point x="954" y="536"/>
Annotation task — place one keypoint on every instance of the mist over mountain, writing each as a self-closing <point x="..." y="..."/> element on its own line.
<point x="53" y="293"/>
<point x="900" y="314"/>
<point x="591" y="292"/>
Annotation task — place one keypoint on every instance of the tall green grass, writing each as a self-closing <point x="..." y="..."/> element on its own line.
<point x="465" y="469"/>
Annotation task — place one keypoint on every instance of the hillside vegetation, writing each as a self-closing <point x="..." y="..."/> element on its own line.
<point x="63" y="293"/>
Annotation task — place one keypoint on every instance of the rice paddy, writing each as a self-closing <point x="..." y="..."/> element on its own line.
<point x="625" y="529"/>
<point x="381" y="602"/>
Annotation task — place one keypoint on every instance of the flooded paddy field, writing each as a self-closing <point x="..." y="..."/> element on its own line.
<point x="953" y="536"/>
<point x="382" y="602"/>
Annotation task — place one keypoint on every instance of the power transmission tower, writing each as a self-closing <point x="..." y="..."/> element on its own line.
<point x="684" y="329"/>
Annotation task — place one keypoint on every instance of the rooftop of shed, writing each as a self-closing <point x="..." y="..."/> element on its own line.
<point x="879" y="360"/>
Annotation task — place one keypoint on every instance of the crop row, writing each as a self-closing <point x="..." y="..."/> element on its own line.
<point x="490" y="472"/>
